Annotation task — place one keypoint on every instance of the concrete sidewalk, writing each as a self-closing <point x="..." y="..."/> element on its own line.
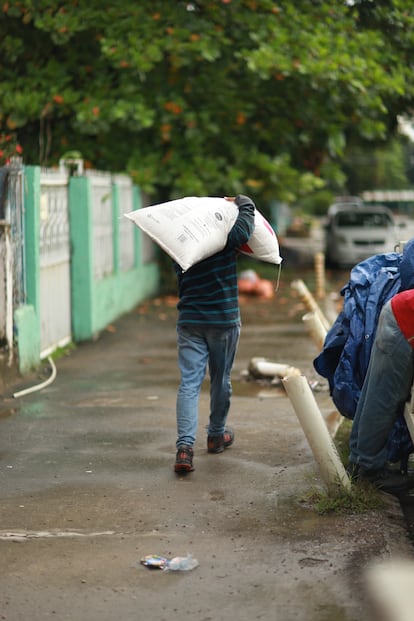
<point x="88" y="489"/>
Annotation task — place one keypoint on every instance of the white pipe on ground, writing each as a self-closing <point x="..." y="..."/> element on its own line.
<point x="315" y="328"/>
<point x="320" y="289"/>
<point x="309" y="301"/>
<point x="37" y="387"/>
<point x="262" y="366"/>
<point x="313" y="424"/>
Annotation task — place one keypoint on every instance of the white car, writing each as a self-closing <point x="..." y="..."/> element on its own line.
<point x="355" y="232"/>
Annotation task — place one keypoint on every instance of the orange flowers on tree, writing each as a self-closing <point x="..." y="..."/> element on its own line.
<point x="9" y="147"/>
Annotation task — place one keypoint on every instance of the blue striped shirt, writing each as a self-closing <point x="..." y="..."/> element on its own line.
<point x="208" y="291"/>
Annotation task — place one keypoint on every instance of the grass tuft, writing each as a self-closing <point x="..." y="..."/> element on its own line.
<point x="361" y="498"/>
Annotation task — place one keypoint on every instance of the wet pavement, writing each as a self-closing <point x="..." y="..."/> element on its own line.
<point x="87" y="489"/>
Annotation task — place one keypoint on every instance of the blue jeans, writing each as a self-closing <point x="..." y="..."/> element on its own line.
<point x="197" y="348"/>
<point x="386" y="387"/>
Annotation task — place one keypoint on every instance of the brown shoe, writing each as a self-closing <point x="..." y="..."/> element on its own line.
<point x="217" y="444"/>
<point x="184" y="459"/>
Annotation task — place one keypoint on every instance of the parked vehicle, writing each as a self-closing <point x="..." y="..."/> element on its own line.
<point x="355" y="232"/>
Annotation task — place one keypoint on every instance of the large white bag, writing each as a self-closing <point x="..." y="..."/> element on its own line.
<point x="263" y="244"/>
<point x="193" y="228"/>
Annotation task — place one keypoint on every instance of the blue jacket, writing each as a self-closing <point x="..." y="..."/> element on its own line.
<point x="347" y="347"/>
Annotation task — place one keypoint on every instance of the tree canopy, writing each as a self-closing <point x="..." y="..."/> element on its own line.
<point x="205" y="97"/>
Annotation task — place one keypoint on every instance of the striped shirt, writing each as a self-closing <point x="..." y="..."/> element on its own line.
<point x="208" y="291"/>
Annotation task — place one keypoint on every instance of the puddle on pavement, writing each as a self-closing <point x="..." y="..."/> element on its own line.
<point x="35" y="409"/>
<point x="305" y="519"/>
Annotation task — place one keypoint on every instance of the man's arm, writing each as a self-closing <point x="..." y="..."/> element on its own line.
<point x="244" y="225"/>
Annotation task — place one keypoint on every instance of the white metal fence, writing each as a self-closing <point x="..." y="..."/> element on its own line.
<point x="148" y="249"/>
<point x="103" y="222"/>
<point x="55" y="301"/>
<point x="6" y="289"/>
<point x="102" y="226"/>
<point x="54" y="277"/>
<point x="126" y="231"/>
<point x="12" y="277"/>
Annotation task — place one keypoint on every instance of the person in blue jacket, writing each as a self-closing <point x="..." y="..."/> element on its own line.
<point x="351" y="357"/>
<point x="385" y="390"/>
<point x="208" y="330"/>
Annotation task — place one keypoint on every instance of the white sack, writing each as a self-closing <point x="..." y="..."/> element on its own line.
<point x="193" y="228"/>
<point x="263" y="243"/>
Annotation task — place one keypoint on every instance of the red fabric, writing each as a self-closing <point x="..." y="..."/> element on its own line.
<point x="402" y="305"/>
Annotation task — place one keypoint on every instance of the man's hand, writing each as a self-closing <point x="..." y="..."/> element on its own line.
<point x="230" y="198"/>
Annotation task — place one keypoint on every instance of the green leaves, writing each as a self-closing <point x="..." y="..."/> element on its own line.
<point x="205" y="97"/>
